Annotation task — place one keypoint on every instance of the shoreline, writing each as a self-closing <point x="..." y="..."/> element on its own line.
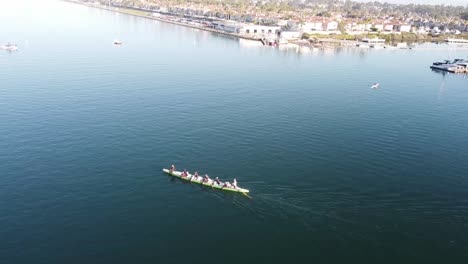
<point x="133" y="12"/>
<point x="319" y="42"/>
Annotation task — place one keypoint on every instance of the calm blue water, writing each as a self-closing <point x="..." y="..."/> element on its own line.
<point x="338" y="172"/>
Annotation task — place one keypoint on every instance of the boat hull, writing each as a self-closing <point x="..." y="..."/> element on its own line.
<point x="210" y="183"/>
<point x="9" y="48"/>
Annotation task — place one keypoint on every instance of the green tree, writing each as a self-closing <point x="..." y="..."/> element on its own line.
<point x="324" y="14"/>
<point x="341" y="27"/>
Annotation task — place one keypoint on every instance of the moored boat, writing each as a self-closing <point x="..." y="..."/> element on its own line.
<point x="209" y="183"/>
<point x="376" y="46"/>
<point x="10" y="47"/>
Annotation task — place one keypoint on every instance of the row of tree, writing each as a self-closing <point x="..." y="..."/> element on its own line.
<point x="324" y="8"/>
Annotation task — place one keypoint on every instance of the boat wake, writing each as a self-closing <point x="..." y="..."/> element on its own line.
<point x="287" y="203"/>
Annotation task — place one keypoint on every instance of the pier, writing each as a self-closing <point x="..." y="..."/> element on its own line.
<point x="456" y="40"/>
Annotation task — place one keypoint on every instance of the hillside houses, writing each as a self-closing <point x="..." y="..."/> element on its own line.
<point x="310" y="18"/>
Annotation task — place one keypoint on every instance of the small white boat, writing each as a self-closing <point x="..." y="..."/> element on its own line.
<point x="117" y="42"/>
<point x="375" y="85"/>
<point x="363" y="46"/>
<point x="402" y="45"/>
<point x="10" y="47"/>
<point x="375" y="46"/>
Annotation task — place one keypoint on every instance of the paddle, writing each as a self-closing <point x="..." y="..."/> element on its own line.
<point x="247" y="195"/>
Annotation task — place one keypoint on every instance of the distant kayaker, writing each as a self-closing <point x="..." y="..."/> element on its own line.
<point x="195" y="176"/>
<point x="185" y="173"/>
<point x="172" y="168"/>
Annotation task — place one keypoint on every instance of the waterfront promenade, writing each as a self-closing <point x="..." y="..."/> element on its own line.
<point x="166" y="18"/>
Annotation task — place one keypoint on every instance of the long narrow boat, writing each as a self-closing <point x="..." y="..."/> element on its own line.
<point x="210" y="183"/>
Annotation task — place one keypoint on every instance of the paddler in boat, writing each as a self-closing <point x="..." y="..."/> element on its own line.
<point x="234" y="183"/>
<point x="217" y="181"/>
<point x="172" y="168"/>
<point x="184" y="173"/>
<point x="206" y="178"/>
<point x="227" y="185"/>
<point x="195" y="175"/>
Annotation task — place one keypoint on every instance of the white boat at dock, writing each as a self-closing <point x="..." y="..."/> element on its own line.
<point x="363" y="46"/>
<point x="447" y="62"/>
<point x="377" y="46"/>
<point x="375" y="43"/>
<point x="457" y="66"/>
<point x="402" y="45"/>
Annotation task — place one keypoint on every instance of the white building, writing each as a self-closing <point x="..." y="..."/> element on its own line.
<point x="290" y="35"/>
<point x="241" y="28"/>
<point x="258" y="29"/>
<point x="332" y="25"/>
<point x="310" y="27"/>
<point x="388" y="27"/>
<point x="404" y="28"/>
<point x="227" y="26"/>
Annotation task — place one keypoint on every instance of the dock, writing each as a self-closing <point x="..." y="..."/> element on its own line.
<point x="455" y="40"/>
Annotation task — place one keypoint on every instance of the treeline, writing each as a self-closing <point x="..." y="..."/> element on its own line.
<point x="350" y="9"/>
<point x="360" y="9"/>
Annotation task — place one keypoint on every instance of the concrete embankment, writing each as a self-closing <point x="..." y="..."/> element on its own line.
<point x="145" y="14"/>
